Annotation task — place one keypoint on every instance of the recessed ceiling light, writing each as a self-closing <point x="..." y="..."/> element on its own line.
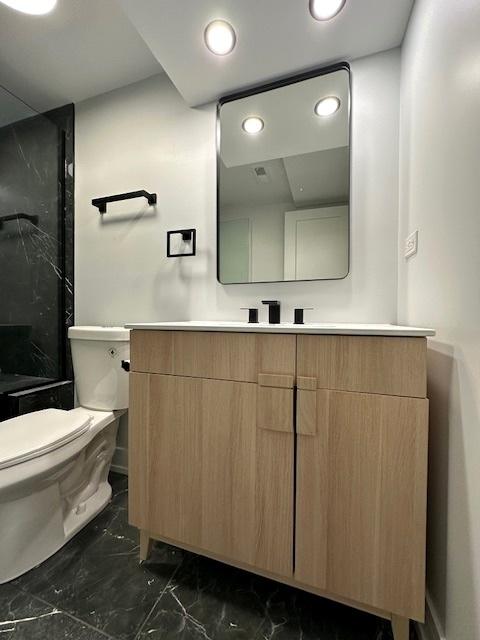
<point x="34" y="7"/>
<point x="253" y="125"/>
<point x="325" y="9"/>
<point x="327" y="106"/>
<point x="220" y="37"/>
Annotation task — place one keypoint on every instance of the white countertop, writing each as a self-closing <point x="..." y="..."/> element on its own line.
<point x="288" y="327"/>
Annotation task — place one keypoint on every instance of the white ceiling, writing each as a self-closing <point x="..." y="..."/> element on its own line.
<point x="81" y="49"/>
<point x="87" y="47"/>
<point x="274" y="38"/>
<point x="12" y="109"/>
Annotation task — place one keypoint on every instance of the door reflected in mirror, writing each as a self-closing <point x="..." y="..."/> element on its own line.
<point x="284" y="182"/>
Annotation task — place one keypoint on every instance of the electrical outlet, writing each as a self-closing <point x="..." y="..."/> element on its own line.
<point x="411" y="244"/>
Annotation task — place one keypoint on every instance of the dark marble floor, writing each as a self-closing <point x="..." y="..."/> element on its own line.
<point x="94" y="589"/>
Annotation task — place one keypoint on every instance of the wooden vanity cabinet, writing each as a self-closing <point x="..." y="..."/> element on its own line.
<point x="361" y="518"/>
<point x="362" y="429"/>
<point x="212" y="444"/>
<point x="299" y="457"/>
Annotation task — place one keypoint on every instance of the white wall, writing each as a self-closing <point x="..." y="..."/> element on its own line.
<point x="144" y="136"/>
<point x="440" y="196"/>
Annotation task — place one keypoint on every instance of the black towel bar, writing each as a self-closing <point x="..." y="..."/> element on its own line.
<point x="101" y="203"/>
<point x="18" y="216"/>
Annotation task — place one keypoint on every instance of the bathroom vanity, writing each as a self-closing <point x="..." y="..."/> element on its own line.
<point x="298" y="452"/>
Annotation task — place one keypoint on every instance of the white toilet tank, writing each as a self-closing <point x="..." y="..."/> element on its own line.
<point x="97" y="354"/>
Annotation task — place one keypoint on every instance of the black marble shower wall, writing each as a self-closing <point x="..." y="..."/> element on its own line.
<point x="36" y="261"/>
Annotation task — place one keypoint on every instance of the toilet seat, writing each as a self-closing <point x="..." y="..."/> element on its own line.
<point x="35" y="434"/>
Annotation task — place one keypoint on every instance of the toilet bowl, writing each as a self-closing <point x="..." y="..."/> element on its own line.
<point x="54" y="464"/>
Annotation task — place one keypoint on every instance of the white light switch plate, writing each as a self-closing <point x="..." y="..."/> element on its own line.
<point x="411" y="244"/>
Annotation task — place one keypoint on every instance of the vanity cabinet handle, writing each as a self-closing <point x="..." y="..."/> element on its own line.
<point x="309" y="384"/>
<point x="275" y="400"/>
<point x="312" y="406"/>
<point x="276" y="380"/>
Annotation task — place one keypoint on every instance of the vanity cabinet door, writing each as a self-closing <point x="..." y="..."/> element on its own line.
<point x="211" y="478"/>
<point x="361" y="497"/>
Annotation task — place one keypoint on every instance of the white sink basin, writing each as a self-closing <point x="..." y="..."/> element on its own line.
<point x="287" y="327"/>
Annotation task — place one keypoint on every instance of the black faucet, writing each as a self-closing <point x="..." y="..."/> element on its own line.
<point x="273" y="311"/>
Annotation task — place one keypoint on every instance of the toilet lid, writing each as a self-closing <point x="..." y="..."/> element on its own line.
<point x="37" y="433"/>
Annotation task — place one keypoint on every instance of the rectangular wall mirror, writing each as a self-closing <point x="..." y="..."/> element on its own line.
<point x="283" y="172"/>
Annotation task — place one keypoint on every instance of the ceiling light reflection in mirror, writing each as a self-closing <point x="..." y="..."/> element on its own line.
<point x="327" y="106"/>
<point x="253" y="125"/>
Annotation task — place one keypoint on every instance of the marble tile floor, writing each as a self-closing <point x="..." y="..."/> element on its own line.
<point x="94" y="589"/>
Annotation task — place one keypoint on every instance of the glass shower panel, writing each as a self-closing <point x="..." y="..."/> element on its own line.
<point x="31" y="256"/>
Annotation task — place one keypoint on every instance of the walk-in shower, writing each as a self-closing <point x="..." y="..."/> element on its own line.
<point x="36" y="256"/>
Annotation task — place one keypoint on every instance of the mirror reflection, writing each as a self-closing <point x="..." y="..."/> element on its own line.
<point x="283" y="182"/>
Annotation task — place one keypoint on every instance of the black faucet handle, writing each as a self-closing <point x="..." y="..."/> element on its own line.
<point x="298" y="314"/>
<point x="273" y="311"/>
<point x="252" y="314"/>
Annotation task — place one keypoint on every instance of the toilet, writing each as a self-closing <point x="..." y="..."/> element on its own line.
<point x="54" y="464"/>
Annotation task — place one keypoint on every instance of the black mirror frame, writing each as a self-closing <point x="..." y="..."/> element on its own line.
<point x="283" y="82"/>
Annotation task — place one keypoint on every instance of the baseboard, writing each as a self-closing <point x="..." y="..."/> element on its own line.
<point x="120" y="461"/>
<point x="119" y="469"/>
<point x="431" y="630"/>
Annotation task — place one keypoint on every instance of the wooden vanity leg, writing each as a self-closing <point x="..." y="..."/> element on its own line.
<point x="400" y="627"/>
<point x="146" y="544"/>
